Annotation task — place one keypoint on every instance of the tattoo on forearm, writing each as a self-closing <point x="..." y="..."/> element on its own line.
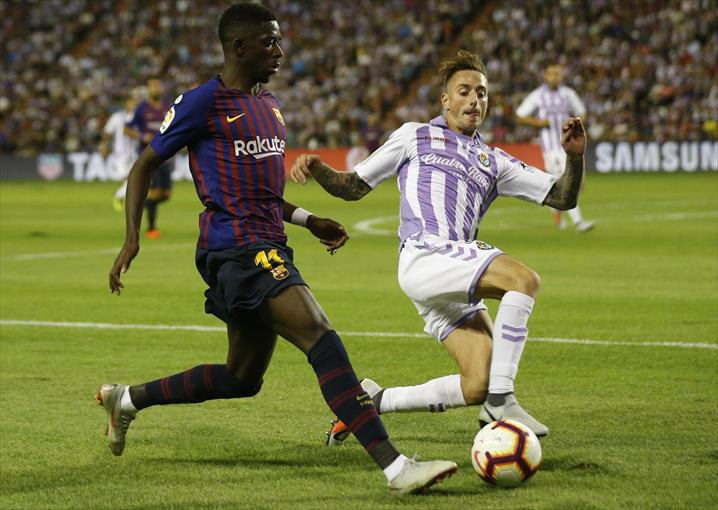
<point x="564" y="193"/>
<point x="346" y="185"/>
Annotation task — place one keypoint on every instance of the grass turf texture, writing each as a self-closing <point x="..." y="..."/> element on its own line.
<point x="632" y="426"/>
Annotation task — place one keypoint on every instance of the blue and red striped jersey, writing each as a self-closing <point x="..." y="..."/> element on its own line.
<point x="146" y="119"/>
<point x="236" y="154"/>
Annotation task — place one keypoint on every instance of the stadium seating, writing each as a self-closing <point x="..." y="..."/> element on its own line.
<point x="645" y="71"/>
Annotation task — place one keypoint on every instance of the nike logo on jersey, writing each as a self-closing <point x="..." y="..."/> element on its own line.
<point x="232" y="119"/>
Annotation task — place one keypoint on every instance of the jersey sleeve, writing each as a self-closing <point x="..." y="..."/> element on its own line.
<point x="184" y="122"/>
<point x="527" y="106"/>
<point x="517" y="179"/>
<point x="384" y="162"/>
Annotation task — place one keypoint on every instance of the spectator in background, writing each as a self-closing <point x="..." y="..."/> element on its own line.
<point x="646" y="70"/>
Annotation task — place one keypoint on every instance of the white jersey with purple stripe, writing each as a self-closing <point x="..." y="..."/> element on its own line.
<point x="554" y="105"/>
<point x="448" y="180"/>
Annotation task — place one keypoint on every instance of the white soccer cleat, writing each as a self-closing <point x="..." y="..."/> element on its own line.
<point x="118" y="421"/>
<point x="513" y="411"/>
<point x="416" y="477"/>
<point x="585" y="225"/>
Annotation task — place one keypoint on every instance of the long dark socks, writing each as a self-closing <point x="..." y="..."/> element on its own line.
<point x="203" y="382"/>
<point x="346" y="398"/>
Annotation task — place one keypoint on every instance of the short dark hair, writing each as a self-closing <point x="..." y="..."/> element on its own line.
<point x="244" y="13"/>
<point x="464" y="60"/>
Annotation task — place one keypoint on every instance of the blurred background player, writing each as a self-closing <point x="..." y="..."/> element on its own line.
<point x="145" y="122"/>
<point x="547" y="107"/>
<point x="235" y="134"/>
<point x="448" y="177"/>
<point x="124" y="148"/>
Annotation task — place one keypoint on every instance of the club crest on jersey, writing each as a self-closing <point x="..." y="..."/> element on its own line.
<point x="484" y="246"/>
<point x="169" y="117"/>
<point x="484" y="159"/>
<point x="279" y="115"/>
<point x="280" y="272"/>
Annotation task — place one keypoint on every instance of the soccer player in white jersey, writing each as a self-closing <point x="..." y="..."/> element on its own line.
<point x="546" y="108"/>
<point x="447" y="178"/>
<point x="124" y="148"/>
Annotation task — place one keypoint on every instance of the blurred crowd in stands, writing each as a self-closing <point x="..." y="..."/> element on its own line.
<point x="355" y="69"/>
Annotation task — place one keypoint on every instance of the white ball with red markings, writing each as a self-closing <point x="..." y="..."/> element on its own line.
<point x="506" y="453"/>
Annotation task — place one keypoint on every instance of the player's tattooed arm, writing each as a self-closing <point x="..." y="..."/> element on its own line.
<point x="346" y="185"/>
<point x="564" y="193"/>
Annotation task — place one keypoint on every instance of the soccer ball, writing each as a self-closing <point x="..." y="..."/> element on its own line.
<point x="506" y="453"/>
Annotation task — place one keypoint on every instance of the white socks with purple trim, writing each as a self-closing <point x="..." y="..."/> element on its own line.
<point x="436" y="395"/>
<point x="510" y="334"/>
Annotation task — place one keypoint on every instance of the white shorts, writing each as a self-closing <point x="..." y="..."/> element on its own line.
<point x="555" y="162"/>
<point x="440" y="277"/>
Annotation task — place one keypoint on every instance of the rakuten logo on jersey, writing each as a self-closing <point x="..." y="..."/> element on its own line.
<point x="259" y="147"/>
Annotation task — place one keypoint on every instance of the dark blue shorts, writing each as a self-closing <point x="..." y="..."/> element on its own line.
<point x="242" y="278"/>
<point x="162" y="178"/>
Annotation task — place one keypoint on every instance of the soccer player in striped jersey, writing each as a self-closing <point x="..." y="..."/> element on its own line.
<point x="234" y="132"/>
<point x="448" y="177"/>
<point x="147" y="119"/>
<point x="547" y="107"/>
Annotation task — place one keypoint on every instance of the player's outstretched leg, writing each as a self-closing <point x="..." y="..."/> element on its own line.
<point x="353" y="405"/>
<point x="296" y="316"/>
<point x="110" y="397"/>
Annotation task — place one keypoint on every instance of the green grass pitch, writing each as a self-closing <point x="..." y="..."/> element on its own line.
<point x="634" y="423"/>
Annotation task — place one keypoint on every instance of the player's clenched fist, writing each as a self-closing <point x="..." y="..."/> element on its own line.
<point x="300" y="172"/>
<point x="573" y="137"/>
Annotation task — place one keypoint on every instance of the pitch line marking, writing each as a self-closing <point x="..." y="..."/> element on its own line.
<point x="382" y="334"/>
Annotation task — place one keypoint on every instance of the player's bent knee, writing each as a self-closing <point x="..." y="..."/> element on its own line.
<point x="528" y="282"/>
<point x="241" y="389"/>
<point x="235" y="387"/>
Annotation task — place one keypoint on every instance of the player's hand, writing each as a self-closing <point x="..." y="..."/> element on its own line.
<point x="300" y="172"/>
<point x="573" y="138"/>
<point x="122" y="264"/>
<point x="330" y="233"/>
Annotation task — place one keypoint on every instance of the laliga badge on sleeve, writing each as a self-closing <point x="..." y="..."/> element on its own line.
<point x="278" y="115"/>
<point x="169" y="117"/>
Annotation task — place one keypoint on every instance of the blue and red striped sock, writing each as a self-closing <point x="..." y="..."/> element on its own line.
<point x="346" y="398"/>
<point x="203" y="382"/>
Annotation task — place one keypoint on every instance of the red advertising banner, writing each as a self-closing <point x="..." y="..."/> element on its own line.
<point x="527" y="152"/>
